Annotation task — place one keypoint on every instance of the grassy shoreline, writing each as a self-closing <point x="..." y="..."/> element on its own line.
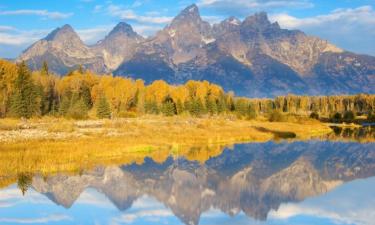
<point x="156" y="130"/>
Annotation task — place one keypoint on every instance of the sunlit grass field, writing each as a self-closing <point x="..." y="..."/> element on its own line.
<point x="51" y="145"/>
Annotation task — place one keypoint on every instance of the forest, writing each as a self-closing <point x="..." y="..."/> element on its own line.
<point x="81" y="94"/>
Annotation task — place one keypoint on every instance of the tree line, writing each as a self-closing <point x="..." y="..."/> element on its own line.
<point x="81" y="94"/>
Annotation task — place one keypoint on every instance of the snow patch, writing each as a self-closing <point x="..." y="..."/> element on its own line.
<point x="208" y="40"/>
<point x="172" y="33"/>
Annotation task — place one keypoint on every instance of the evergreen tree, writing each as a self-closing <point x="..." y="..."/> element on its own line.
<point x="80" y="69"/>
<point x="211" y="106"/>
<point x="24" y="99"/>
<point x="103" y="110"/>
<point x="85" y="95"/>
<point x="44" y="70"/>
<point x="196" y="107"/>
<point x="151" y="107"/>
<point x="78" y="110"/>
<point x="179" y="107"/>
<point x="168" y="107"/>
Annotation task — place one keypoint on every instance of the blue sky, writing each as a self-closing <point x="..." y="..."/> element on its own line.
<point x="350" y="24"/>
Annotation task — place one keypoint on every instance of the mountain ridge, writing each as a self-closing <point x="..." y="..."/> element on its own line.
<point x="253" y="57"/>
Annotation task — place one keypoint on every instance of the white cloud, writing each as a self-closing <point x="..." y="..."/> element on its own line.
<point x="244" y="7"/>
<point x="351" y="28"/>
<point x="147" y="30"/>
<point x="362" y="15"/>
<point x="15" y="37"/>
<point x="42" y="13"/>
<point x="7" y="28"/>
<point x="46" y="220"/>
<point x="128" y="14"/>
<point x="92" y="35"/>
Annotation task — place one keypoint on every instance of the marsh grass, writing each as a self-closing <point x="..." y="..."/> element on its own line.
<point x="10" y="124"/>
<point x="125" y="141"/>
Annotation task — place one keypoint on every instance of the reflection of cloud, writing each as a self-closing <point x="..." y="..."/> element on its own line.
<point x="349" y="204"/>
<point x="94" y="198"/>
<point x="12" y="196"/>
<point x="47" y="219"/>
<point x="4" y="204"/>
<point x="146" y="208"/>
<point x="144" y="214"/>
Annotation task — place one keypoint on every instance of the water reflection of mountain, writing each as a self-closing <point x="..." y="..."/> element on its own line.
<point x="253" y="178"/>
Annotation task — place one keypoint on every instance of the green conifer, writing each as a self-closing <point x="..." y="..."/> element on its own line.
<point x="103" y="109"/>
<point x="24" y="100"/>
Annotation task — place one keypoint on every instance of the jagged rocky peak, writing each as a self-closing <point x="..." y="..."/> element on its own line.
<point x="260" y="22"/>
<point x="123" y="28"/>
<point x="188" y="15"/>
<point x="62" y="33"/>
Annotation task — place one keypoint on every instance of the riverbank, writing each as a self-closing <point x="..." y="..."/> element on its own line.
<point x="155" y="130"/>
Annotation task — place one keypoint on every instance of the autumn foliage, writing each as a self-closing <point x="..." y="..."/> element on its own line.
<point x="25" y="94"/>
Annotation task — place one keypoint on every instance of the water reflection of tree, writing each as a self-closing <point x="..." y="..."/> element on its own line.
<point x="358" y="134"/>
<point x="24" y="181"/>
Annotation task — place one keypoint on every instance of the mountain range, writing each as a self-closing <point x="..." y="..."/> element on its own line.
<point x="252" y="57"/>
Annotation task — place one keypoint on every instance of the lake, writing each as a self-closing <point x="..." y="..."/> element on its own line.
<point x="329" y="180"/>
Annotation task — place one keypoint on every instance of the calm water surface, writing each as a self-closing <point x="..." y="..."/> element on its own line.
<point x="302" y="182"/>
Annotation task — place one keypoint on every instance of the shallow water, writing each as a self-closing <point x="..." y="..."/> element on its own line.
<point x="303" y="182"/>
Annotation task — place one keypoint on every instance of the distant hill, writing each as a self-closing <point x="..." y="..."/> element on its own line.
<point x="253" y="57"/>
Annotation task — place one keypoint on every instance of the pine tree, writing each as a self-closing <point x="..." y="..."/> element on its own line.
<point x="24" y="99"/>
<point x="103" y="110"/>
<point x="196" y="107"/>
<point x="211" y="106"/>
<point x="78" y="110"/>
<point x="168" y="108"/>
<point x="179" y="107"/>
<point x="44" y="70"/>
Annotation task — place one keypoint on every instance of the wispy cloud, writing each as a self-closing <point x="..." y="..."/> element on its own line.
<point x="46" y="220"/>
<point x="92" y="35"/>
<point x="361" y="15"/>
<point x="350" y="28"/>
<point x="145" y="214"/>
<point x="42" y="13"/>
<point x="13" y="36"/>
<point x="244" y="7"/>
<point x="129" y="14"/>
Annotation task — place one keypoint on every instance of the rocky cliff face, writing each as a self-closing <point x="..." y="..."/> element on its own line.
<point x="63" y="50"/>
<point x="253" y="57"/>
<point x="118" y="46"/>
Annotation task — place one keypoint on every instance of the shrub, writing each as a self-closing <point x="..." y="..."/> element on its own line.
<point x="371" y="116"/>
<point x="348" y="116"/>
<point x="276" y="116"/>
<point x="337" y="117"/>
<point x="314" y="115"/>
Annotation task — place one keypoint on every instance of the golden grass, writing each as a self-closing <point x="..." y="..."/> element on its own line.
<point x="9" y="124"/>
<point x="124" y="141"/>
